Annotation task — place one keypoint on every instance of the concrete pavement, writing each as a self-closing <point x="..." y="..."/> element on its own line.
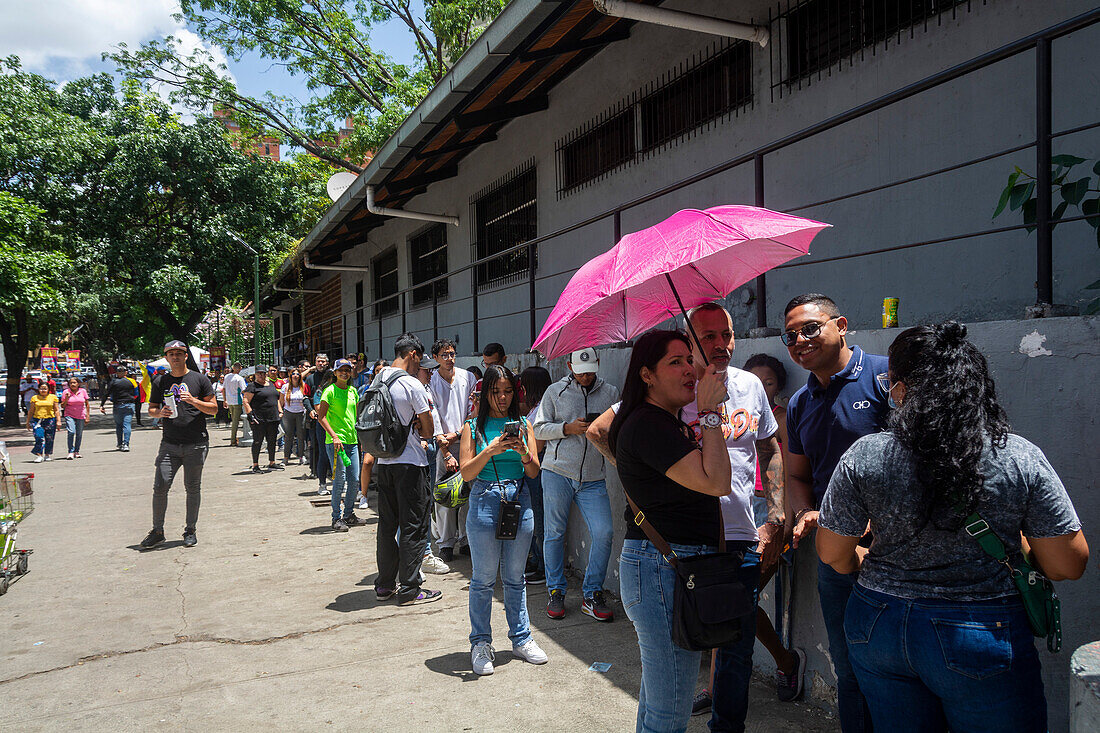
<point x="271" y="620"/>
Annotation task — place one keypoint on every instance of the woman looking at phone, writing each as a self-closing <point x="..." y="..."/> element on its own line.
<point x="496" y="455"/>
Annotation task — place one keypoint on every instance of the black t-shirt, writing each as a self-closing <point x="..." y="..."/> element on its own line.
<point x="264" y="402"/>
<point x="189" y="425"/>
<point x="649" y="443"/>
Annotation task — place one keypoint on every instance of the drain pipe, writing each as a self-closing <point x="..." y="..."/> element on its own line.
<point x="402" y="214"/>
<point x="680" y="19"/>
<point x="338" y="268"/>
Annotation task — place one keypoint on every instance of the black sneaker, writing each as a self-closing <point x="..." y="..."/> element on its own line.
<point x="447" y="554"/>
<point x="555" y="608"/>
<point x="276" y="467"/>
<point x="701" y="704"/>
<point x="595" y="606"/>
<point x="339" y="526"/>
<point x="424" y="596"/>
<point x="353" y="521"/>
<point x="154" y="538"/>
<point x="257" y="469"/>
<point x="384" y="594"/>
<point x="788" y="687"/>
<point x="189" y="538"/>
<point x="535" y="577"/>
<point x="464" y="550"/>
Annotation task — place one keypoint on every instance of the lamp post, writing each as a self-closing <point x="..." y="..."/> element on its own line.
<point x="255" y="299"/>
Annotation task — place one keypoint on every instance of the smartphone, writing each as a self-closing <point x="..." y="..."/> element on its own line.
<point x="511" y="429"/>
<point x="591" y="416"/>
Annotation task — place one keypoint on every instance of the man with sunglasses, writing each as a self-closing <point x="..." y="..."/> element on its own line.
<point x="844" y="398"/>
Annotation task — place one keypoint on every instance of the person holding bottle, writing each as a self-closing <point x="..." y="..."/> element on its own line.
<point x="336" y="413"/>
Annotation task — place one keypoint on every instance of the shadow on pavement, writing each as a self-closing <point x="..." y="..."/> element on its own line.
<point x="168" y="545"/>
<point x="457" y="664"/>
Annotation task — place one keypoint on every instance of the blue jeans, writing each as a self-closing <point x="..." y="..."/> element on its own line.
<point x="488" y="554"/>
<point x="124" y="415"/>
<point x="934" y="665"/>
<point x="647" y="583"/>
<point x="44" y="445"/>
<point x="733" y="663"/>
<point x="345" y="479"/>
<point x="833" y="590"/>
<point x="536" y="558"/>
<point x="75" y="426"/>
<point x="558" y="496"/>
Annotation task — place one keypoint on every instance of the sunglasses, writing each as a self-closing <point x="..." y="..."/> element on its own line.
<point x="809" y="331"/>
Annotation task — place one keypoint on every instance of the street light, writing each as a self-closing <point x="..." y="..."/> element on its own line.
<point x="255" y="299"/>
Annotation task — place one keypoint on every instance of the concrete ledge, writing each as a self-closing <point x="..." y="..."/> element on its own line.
<point x="1084" y="689"/>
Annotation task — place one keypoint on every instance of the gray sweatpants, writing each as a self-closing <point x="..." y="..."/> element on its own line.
<point x="169" y="459"/>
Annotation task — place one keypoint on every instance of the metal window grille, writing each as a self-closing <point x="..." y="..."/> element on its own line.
<point x="505" y="214"/>
<point x="708" y="87"/>
<point x="297" y="314"/>
<point x="428" y="259"/>
<point x="811" y="38"/>
<point x="360" y="316"/>
<point x="384" y="269"/>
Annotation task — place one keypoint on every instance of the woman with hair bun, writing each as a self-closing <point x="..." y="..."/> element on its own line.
<point x="937" y="633"/>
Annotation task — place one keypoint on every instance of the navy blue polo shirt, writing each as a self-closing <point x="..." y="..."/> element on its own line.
<point x="823" y="422"/>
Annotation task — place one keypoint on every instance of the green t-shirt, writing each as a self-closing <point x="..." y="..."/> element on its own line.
<point x="509" y="464"/>
<point x="342" y="407"/>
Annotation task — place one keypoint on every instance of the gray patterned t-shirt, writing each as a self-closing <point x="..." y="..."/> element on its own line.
<point x="876" y="481"/>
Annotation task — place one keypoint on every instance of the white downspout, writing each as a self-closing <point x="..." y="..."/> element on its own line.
<point x="680" y="19"/>
<point x="402" y="214"/>
<point x="338" y="268"/>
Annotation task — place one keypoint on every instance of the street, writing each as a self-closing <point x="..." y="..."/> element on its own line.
<point x="271" y="620"/>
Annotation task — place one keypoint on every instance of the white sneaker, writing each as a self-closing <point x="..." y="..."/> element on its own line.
<point x="531" y="652"/>
<point x="434" y="565"/>
<point x="322" y="490"/>
<point x="302" y="461"/>
<point x="69" y="457"/>
<point x="481" y="657"/>
<point x="49" y="458"/>
<point x="363" y="503"/>
<point x="38" y="459"/>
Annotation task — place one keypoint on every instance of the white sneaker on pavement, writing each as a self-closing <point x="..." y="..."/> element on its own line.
<point x="39" y="459"/>
<point x="481" y="658"/>
<point x="363" y="503"/>
<point x="531" y="652"/>
<point x="434" y="565"/>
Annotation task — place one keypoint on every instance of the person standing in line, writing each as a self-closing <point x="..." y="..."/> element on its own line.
<point x="222" y="416"/>
<point x="451" y="388"/>
<point x="337" y="410"/>
<point x="233" y="386"/>
<point x="431" y="563"/>
<point x="404" y="496"/>
<point x="292" y="400"/>
<point x="535" y="381"/>
<point x="317" y="380"/>
<point x="573" y="474"/>
<point x="937" y="632"/>
<point x="261" y="405"/>
<point x="122" y="394"/>
<point x="182" y="398"/>
<point x="75" y="408"/>
<point x="42" y="419"/>
<point x="843" y="400"/>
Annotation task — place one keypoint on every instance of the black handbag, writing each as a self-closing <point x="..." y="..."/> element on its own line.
<point x="710" y="602"/>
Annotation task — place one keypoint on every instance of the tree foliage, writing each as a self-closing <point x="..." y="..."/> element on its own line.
<point x="326" y="42"/>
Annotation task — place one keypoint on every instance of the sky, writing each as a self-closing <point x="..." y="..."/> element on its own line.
<point x="63" y="40"/>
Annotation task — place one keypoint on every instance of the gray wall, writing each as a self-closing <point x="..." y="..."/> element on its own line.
<point x="1045" y="371"/>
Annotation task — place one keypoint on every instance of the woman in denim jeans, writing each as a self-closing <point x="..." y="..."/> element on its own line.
<point x="936" y="631"/>
<point x="675" y="483"/>
<point x="44" y="413"/>
<point x="74" y="407"/>
<point x="497" y="464"/>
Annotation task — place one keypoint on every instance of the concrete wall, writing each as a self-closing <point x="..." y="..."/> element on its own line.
<point x="1045" y="371"/>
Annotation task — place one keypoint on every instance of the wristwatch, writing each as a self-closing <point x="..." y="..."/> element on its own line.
<point x="710" y="419"/>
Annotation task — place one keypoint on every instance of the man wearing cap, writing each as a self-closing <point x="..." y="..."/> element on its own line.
<point x="182" y="399"/>
<point x="123" y="395"/>
<point x="573" y="473"/>
<point x="234" y="385"/>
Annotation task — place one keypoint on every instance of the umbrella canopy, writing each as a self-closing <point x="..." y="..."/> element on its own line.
<point x="702" y="255"/>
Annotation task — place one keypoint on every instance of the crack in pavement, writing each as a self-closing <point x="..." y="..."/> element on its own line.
<point x="209" y="638"/>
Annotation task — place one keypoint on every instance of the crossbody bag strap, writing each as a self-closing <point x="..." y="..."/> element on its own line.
<point x="987" y="539"/>
<point x="650" y="531"/>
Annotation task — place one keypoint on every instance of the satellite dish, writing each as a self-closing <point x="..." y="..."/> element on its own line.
<point x="338" y="183"/>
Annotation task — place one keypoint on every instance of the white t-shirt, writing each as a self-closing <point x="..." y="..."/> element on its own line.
<point x="233" y="385"/>
<point x="747" y="418"/>
<point x="410" y="398"/>
<point x="295" y="398"/>
<point x="452" y="401"/>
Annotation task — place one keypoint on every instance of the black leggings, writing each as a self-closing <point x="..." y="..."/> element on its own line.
<point x="260" y="432"/>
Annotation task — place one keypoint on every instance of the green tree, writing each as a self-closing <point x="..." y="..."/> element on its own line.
<point x="328" y="43"/>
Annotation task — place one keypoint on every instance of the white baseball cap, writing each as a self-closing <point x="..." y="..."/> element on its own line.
<point x="584" y="361"/>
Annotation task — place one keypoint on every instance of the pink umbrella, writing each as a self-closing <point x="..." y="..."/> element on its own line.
<point x="691" y="258"/>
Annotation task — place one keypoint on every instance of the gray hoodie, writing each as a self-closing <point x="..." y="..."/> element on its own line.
<point x="565" y="401"/>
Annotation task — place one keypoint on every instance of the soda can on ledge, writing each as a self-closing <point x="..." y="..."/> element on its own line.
<point x="889" y="312"/>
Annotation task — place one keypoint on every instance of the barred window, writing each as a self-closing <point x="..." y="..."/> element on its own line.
<point x="428" y="259"/>
<point x="506" y="214"/>
<point x="596" y="149"/>
<point x="384" y="269"/>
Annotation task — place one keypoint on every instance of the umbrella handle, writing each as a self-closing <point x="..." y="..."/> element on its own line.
<point x="691" y="329"/>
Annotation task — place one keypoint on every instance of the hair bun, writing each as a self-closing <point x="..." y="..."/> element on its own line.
<point x="950" y="334"/>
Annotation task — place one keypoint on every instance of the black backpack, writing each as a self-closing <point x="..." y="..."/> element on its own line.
<point x="381" y="432"/>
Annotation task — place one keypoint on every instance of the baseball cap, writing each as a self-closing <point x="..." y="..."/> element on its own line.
<point x="429" y="363"/>
<point x="342" y="363"/>
<point x="175" y="344"/>
<point x="260" y="368"/>
<point x="584" y="361"/>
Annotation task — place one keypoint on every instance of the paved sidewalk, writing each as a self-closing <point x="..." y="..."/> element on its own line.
<point x="271" y="620"/>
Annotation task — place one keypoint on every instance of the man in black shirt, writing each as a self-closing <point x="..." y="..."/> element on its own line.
<point x="123" y="395"/>
<point x="182" y="398"/>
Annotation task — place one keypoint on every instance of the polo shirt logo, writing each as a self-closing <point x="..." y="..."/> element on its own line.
<point x="862" y="405"/>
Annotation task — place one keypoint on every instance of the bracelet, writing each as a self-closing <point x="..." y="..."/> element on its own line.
<point x="798" y="516"/>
